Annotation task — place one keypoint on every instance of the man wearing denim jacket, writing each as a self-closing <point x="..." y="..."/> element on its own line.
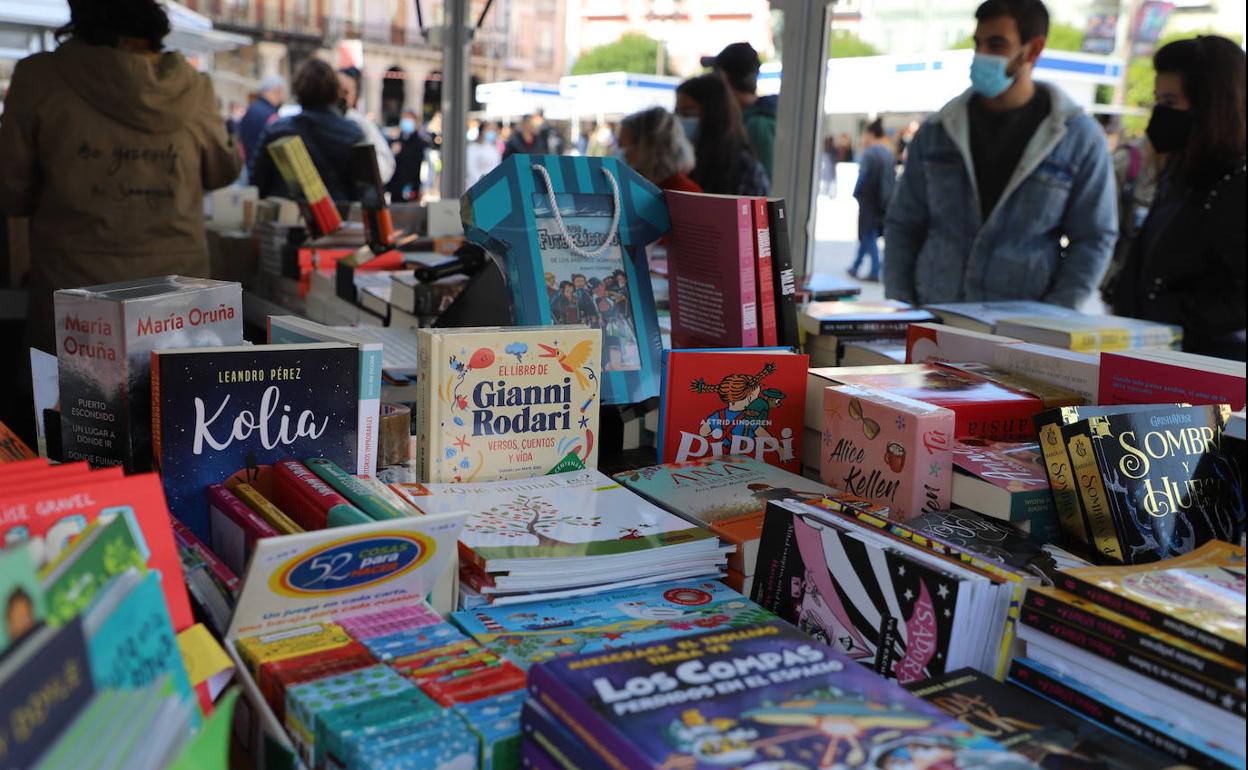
<point x="1008" y="191"/>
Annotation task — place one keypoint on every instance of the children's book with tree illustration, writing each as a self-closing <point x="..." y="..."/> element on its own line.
<point x="723" y="402"/>
<point x="506" y="403"/>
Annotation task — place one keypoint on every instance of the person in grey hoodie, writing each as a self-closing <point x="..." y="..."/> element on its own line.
<point x="1008" y="191"/>
<point x="108" y="144"/>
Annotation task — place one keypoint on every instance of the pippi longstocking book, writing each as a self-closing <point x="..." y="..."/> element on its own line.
<point x="571" y="233"/>
<point x="721" y="402"/>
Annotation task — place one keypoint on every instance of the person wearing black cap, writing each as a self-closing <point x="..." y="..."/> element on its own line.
<point x="738" y="65"/>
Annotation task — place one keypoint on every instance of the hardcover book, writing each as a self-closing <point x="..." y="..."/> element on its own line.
<point x="506" y="403"/>
<point x="1005" y="480"/>
<point x="711" y="271"/>
<point x="610" y="620"/>
<point x="104" y="338"/>
<point x="221" y="414"/>
<point x="1027" y="724"/>
<point x="890" y="450"/>
<point x="763" y="276"/>
<point x="1156" y="484"/>
<point x="1164" y="376"/>
<point x="766" y="696"/>
<point x="716" y="403"/>
<point x="582" y="261"/>
<point x="729" y="496"/>
<point x="783" y="279"/>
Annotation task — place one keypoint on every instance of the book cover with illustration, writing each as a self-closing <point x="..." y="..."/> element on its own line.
<point x="733" y="402"/>
<point x="104" y="338"/>
<point x="575" y="514"/>
<point x="766" y="697"/>
<point x="1198" y="596"/>
<point x="729" y="495"/>
<point x="1156" y="484"/>
<point x="1008" y="481"/>
<point x="891" y="450"/>
<point x="105" y="550"/>
<point x="507" y="403"/>
<point x="995" y="542"/>
<point x="557" y="628"/>
<point x="880" y="606"/>
<point x="230" y="413"/>
<point x="1027" y="724"/>
<point x="21" y="597"/>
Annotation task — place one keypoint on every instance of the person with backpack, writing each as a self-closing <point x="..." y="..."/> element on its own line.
<point x="877" y="176"/>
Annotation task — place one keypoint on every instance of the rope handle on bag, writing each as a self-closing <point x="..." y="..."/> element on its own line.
<point x="612" y="231"/>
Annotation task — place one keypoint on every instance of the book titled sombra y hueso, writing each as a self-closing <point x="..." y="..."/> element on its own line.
<point x="507" y="403"/>
<point x="104" y="338"/>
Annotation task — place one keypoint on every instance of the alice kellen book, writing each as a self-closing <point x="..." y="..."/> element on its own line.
<point x="224" y="413"/>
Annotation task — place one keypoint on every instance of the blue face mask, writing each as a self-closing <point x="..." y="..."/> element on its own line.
<point x="491" y="136"/>
<point x="990" y="75"/>
<point x="407" y="126"/>
<point x="691" y="126"/>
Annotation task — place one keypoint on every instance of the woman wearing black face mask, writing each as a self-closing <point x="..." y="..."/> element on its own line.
<point x="1187" y="264"/>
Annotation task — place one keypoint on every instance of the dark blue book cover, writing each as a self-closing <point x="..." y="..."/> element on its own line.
<point x="44" y="684"/>
<point x="231" y="413"/>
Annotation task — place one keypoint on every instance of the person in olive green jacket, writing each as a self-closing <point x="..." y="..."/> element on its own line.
<point x="738" y="64"/>
<point x="108" y="144"/>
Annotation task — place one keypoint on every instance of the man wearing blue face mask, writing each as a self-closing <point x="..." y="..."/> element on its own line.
<point x="1008" y="191"/>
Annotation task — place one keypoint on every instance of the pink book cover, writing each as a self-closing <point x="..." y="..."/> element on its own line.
<point x="1166" y="377"/>
<point x="888" y="449"/>
<point x="711" y="271"/>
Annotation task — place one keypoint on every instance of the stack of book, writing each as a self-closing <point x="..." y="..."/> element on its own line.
<point x="565" y="534"/>
<point x="1154" y="651"/>
<point x="831" y="326"/>
<point x="766" y="696"/>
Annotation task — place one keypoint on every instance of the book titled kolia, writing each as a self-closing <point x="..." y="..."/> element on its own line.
<point x="507" y="403"/>
<point x="104" y="338"/>
<point x="222" y="414"/>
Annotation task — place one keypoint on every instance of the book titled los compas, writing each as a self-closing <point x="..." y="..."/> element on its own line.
<point x="506" y="403"/>
<point x="222" y="415"/>
<point x="761" y="697"/>
<point x="104" y="338"/>
<point x="721" y="402"/>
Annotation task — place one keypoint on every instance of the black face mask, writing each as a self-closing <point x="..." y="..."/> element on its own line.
<point x="1169" y="129"/>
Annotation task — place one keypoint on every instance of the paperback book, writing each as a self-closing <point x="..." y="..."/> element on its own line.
<point x="721" y="402"/>
<point x="1005" y="480"/>
<point x="984" y="316"/>
<point x="1090" y="333"/>
<point x="1164" y="376"/>
<point x="229" y="414"/>
<point x="506" y="403"/>
<point x="849" y="317"/>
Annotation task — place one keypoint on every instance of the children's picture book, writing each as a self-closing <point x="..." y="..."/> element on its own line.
<point x="222" y="414"/>
<point x="720" y="402"/>
<point x="103" y="551"/>
<point x="504" y="403"/>
<point x="1156" y="484"/>
<point x="571" y="232"/>
<point x="763" y="697"/>
<point x="891" y="450"/>
<point x="538" y="631"/>
<point x="1008" y="481"/>
<point x="1027" y="724"/>
<point x="105" y="335"/>
<point x="21" y="596"/>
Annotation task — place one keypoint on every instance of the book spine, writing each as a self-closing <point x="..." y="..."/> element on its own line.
<point x="1116" y="602"/>
<point x="843" y="328"/>
<point x="597" y="735"/>
<point x="267" y="510"/>
<point x="782" y="272"/>
<point x="1128" y="661"/>
<point x="1062" y="483"/>
<point x="223" y="574"/>
<point x="1092" y="495"/>
<point x="1166" y="662"/>
<point x="234" y="528"/>
<point x="309" y="500"/>
<point x="745" y="269"/>
<point x="1108" y="717"/>
<point x="762" y="273"/>
<point x="426" y="354"/>
<point x="370" y="408"/>
<point x="156" y="410"/>
<point x="355" y="492"/>
<point x="556" y="741"/>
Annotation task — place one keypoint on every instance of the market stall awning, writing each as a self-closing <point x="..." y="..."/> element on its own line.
<point x="192" y="32"/>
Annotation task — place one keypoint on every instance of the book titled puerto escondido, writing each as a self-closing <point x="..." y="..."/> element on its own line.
<point x="507" y="403"/>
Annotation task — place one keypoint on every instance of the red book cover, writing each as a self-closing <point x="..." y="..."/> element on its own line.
<point x="303" y="496"/>
<point x="762" y="274"/>
<point x="50" y="516"/>
<point x="711" y="271"/>
<point x="733" y="402"/>
<point x="1166" y="376"/>
<point x="984" y="409"/>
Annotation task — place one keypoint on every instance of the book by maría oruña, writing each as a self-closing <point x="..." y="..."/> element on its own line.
<point x="1198" y="596"/>
<point x="1027" y="724"/>
<point x="761" y="697"/>
<point x="1156" y="484"/>
<point x="222" y="414"/>
<point x="504" y="403"/>
<point x="582" y="261"/>
<point x="720" y="402"/>
<point x="104" y="338"/>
